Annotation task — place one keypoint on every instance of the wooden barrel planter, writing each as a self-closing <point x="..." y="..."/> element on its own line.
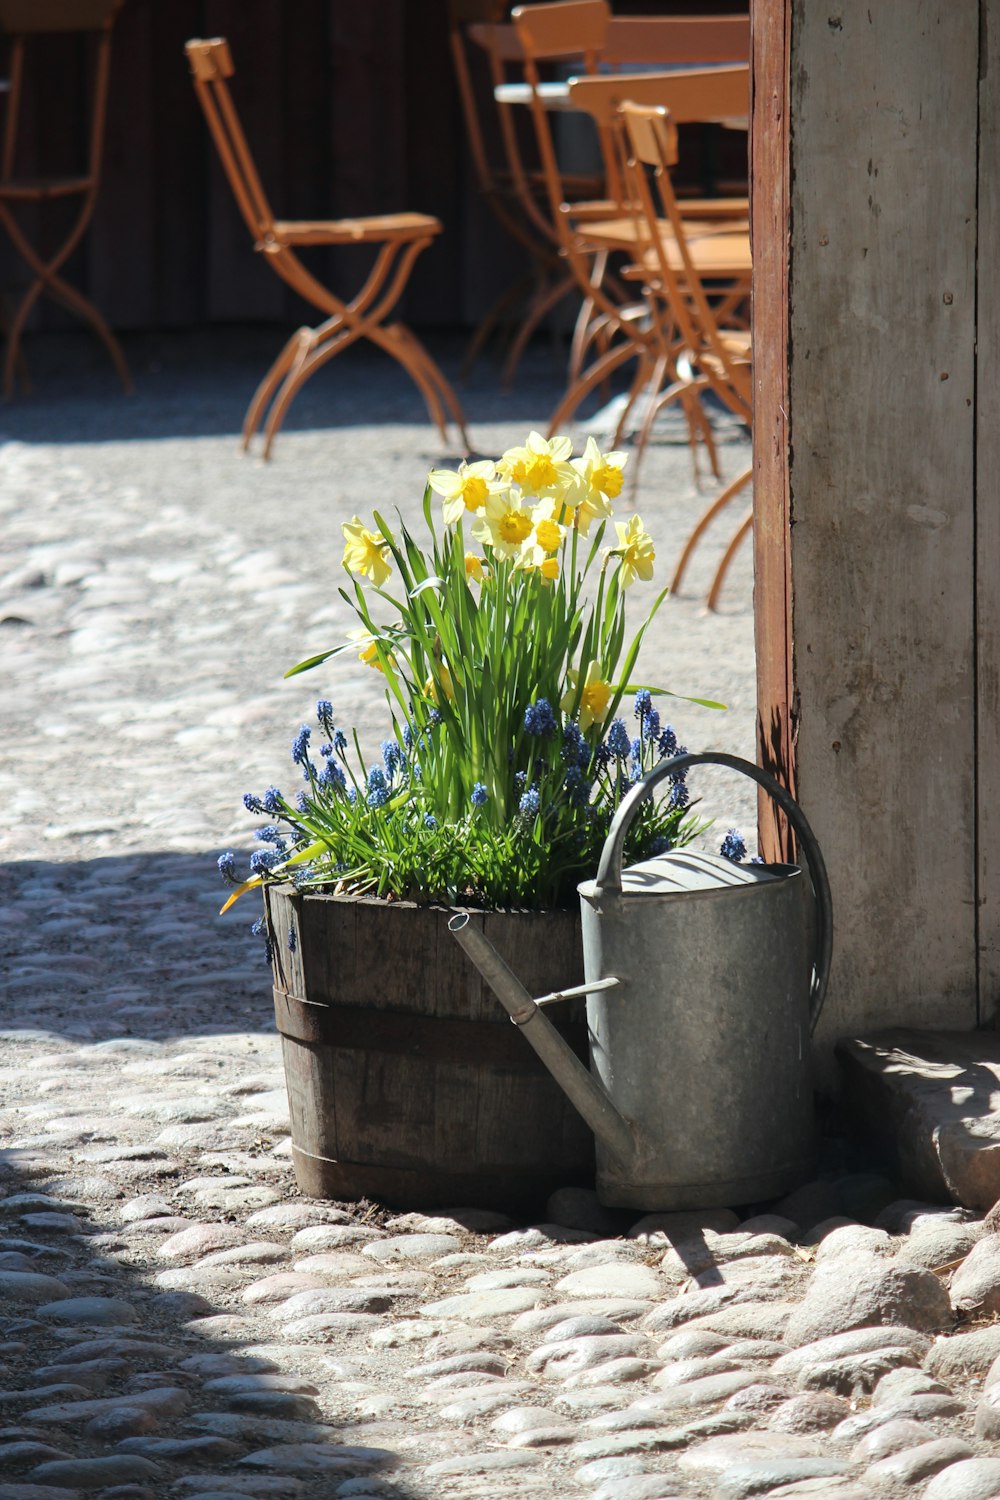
<point x="407" y="1083"/>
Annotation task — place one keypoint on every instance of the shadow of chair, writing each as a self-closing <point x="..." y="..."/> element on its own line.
<point x="704" y="355"/>
<point x="21" y="21"/>
<point x="397" y="238"/>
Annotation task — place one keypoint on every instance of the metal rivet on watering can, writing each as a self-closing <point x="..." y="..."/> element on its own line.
<point x="704" y="980"/>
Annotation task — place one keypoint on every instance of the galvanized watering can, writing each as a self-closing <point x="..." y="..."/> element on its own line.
<point x="704" y="980"/>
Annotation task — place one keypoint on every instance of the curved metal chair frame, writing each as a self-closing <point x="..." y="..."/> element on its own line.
<point x="398" y="239"/>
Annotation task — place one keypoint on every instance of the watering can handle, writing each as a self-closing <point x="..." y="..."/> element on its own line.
<point x="609" y="871"/>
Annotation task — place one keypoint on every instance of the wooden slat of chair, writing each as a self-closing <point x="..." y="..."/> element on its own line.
<point x="714" y="359"/>
<point x="399" y="239"/>
<point x="677" y="40"/>
<point x="21" y="20"/>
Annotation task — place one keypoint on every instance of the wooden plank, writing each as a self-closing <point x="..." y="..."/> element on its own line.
<point x="882" y="382"/>
<point x="988" y="518"/>
<point x="769" y="219"/>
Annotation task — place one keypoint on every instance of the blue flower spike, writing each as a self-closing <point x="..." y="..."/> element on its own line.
<point x="480" y="796"/>
<point x="734" y="846"/>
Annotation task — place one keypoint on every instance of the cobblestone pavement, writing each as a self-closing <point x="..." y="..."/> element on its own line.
<point x="175" y="1319"/>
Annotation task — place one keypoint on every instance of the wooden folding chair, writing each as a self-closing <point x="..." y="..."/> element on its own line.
<point x="398" y="239"/>
<point x="526" y="183"/>
<point x="477" y="24"/>
<point x="624" y="329"/>
<point x="19" y="21"/>
<point x="705" y="356"/>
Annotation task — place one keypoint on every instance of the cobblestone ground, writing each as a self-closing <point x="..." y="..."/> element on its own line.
<point x="175" y="1319"/>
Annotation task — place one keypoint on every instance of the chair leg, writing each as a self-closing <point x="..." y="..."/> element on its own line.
<point x="492" y="321"/>
<point x="727" y="557"/>
<point x="296" y="348"/>
<point x="436" y="375"/>
<point x="584" y="318"/>
<point x="397" y="341"/>
<point x="599" y="370"/>
<point x="296" y="378"/>
<point x="639" y="383"/>
<point x="76" y="302"/>
<point x="705" y="520"/>
<point x="661" y="369"/>
<point x="545" y="299"/>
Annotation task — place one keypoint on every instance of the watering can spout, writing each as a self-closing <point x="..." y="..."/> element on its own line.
<point x="577" y="1082"/>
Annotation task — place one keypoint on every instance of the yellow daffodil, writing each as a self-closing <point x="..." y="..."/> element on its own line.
<point x="462" y="489"/>
<point x="506" y="524"/>
<point x="635" y="548"/>
<point x="602" y="471"/>
<point x="440" y="682"/>
<point x="541" y="466"/>
<point x="369" y="650"/>
<point x="549" y="569"/>
<point x="473" y="567"/>
<point x="545" y="539"/>
<point x="365" y="551"/>
<point x="595" y="695"/>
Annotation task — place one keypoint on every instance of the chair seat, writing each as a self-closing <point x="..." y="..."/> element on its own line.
<point x="35" y="189"/>
<point x="717" y="257"/>
<point x="730" y="239"/>
<point x="374" y="229"/>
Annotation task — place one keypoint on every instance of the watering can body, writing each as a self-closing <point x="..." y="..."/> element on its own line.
<point x="704" y="1043"/>
<point x="704" y="980"/>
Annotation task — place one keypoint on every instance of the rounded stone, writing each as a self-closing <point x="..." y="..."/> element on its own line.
<point x="122" y="1422"/>
<point x="89" y="1311"/>
<point x="975" y="1286"/>
<point x="847" y="1239"/>
<point x="969" y="1479"/>
<point x="859" y="1291"/>
<point x="411" y="1247"/>
<point x="814" y="1411"/>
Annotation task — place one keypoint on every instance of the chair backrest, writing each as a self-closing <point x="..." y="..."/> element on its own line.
<point x="466" y="17"/>
<point x="692" y="95"/>
<point x="563" y="28"/>
<point x="558" y="32"/>
<point x="677" y="40"/>
<point x="211" y="66"/>
<point x="29" y="17"/>
<point x="652" y="139"/>
<point x="20" y="19"/>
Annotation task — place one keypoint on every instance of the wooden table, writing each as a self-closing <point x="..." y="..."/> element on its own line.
<point x="555" y="96"/>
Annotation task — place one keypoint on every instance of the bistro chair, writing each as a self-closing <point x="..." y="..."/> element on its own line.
<point x="21" y="22"/>
<point x="397" y="238"/>
<point x="692" y="95"/>
<point x="526" y="181"/>
<point x="476" y="28"/>
<point x="703" y="355"/>
<point x="623" y="329"/>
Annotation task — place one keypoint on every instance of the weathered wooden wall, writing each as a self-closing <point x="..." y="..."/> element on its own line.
<point x="349" y="109"/>
<point x="891" y="458"/>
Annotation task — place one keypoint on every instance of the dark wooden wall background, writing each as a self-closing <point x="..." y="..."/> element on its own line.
<point x="349" y="107"/>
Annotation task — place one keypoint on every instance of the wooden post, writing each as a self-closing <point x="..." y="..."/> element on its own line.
<point x="877" y="464"/>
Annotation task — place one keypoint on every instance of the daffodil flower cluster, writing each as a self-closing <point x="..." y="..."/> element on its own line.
<point x="523" y="505"/>
<point x="503" y="644"/>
